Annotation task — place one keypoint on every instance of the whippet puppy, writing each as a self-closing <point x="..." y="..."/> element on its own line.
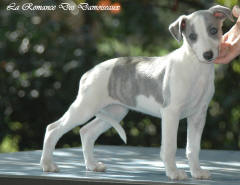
<point x="178" y="85"/>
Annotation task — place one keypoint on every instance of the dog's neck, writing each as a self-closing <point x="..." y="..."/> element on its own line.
<point x="189" y="64"/>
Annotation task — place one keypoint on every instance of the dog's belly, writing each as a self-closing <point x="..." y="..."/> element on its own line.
<point x="147" y="105"/>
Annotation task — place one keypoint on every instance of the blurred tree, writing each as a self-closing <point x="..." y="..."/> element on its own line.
<point x="44" y="54"/>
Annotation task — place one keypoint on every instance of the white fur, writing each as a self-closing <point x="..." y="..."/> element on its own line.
<point x="148" y="105"/>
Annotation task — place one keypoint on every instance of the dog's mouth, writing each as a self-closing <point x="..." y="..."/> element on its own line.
<point x="210" y="61"/>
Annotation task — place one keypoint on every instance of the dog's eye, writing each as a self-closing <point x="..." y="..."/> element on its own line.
<point x="213" y="31"/>
<point x="193" y="36"/>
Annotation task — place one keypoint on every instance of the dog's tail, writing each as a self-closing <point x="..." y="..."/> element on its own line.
<point x="115" y="124"/>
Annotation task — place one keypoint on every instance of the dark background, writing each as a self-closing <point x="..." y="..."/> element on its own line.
<point x="44" y="54"/>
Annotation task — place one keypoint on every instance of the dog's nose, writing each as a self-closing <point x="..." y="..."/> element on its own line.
<point x="208" y="55"/>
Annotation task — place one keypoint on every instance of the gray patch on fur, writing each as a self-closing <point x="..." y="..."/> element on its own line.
<point x="212" y="22"/>
<point x="188" y="30"/>
<point x="126" y="82"/>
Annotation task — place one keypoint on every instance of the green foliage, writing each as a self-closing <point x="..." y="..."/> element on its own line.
<point x="9" y="144"/>
<point x="44" y="54"/>
<point x="227" y="3"/>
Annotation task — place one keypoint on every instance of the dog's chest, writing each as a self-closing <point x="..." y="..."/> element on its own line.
<point x="192" y="89"/>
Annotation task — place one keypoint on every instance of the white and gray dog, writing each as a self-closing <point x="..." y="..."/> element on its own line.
<point x="178" y="85"/>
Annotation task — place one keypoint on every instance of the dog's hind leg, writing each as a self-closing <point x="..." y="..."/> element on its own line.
<point x="78" y="113"/>
<point x="90" y="132"/>
<point x="92" y="97"/>
<point x="48" y="147"/>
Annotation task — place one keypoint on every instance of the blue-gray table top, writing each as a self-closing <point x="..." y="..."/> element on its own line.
<point x="124" y="164"/>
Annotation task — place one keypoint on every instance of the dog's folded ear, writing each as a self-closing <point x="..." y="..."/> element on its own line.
<point x="221" y="12"/>
<point x="177" y="27"/>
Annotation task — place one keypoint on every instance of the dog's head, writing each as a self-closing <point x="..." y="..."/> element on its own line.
<point x="202" y="31"/>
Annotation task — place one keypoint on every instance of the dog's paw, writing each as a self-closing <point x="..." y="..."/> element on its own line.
<point x="177" y="174"/>
<point x="201" y="174"/>
<point x="48" y="166"/>
<point x="97" y="167"/>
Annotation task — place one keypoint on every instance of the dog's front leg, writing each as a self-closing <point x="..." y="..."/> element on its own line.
<point x="170" y="122"/>
<point x="196" y="124"/>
